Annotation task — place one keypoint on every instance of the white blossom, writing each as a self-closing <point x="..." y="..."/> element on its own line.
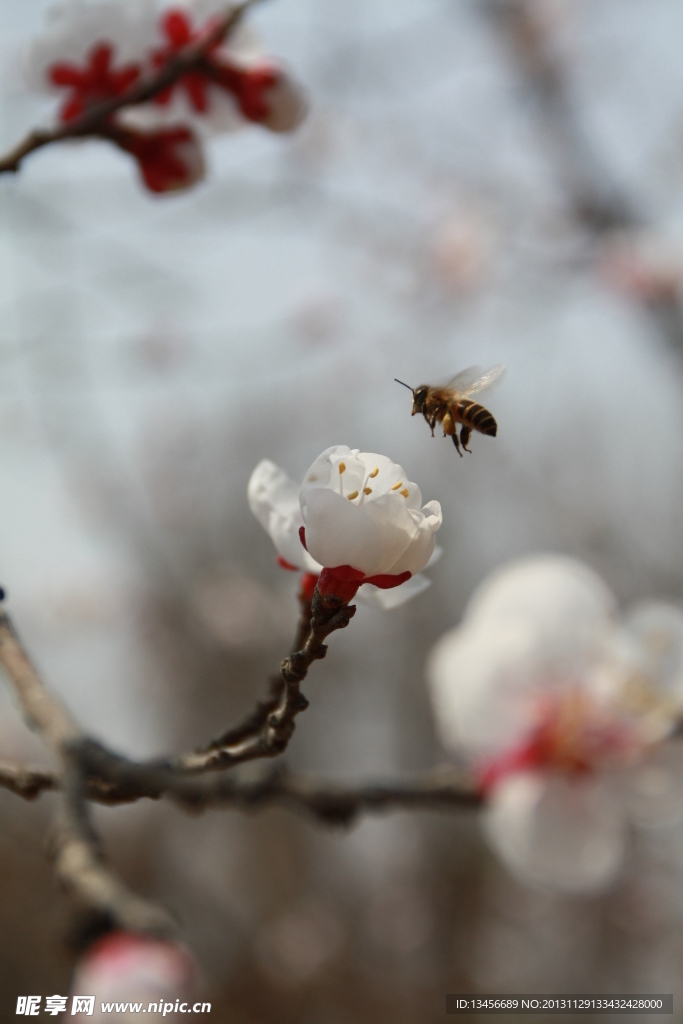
<point x="360" y="510"/>
<point x="275" y="501"/>
<point x="562" y="708"/>
<point x="73" y="27"/>
<point x="125" y="967"/>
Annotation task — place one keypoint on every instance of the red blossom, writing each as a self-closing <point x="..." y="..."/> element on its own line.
<point x="248" y="85"/>
<point x="93" y="83"/>
<point x="179" y="33"/>
<point x="170" y="159"/>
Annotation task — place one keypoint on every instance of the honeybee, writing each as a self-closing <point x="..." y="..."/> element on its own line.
<point x="450" y="404"/>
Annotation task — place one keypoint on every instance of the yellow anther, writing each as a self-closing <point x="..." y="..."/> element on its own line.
<point x="405" y="492"/>
<point x="352" y="495"/>
<point x="342" y="467"/>
<point x="367" y="490"/>
<point x="396" y="486"/>
<point x="374" y="473"/>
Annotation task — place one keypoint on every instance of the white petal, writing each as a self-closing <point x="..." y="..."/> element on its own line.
<point x="398" y="531"/>
<point x="284" y="532"/>
<point x="124" y="966"/>
<point x="286" y="103"/>
<point x="483" y="687"/>
<point x="657" y="629"/>
<point x="274" y="500"/>
<point x="567" y="602"/>
<point x="418" y="553"/>
<point x="556" y="831"/>
<point x="360" y="510"/>
<point x="437" y="553"/>
<point x="73" y="28"/>
<point x="339" y="532"/>
<point x="270" y="488"/>
<point x="324" y="472"/>
<point x="373" y="597"/>
<point x="390" y="473"/>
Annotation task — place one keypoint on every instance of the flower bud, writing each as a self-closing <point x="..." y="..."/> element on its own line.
<point x="127" y="967"/>
<point x="169" y="159"/>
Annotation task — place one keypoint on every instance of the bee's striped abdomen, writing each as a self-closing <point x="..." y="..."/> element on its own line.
<point x="475" y="416"/>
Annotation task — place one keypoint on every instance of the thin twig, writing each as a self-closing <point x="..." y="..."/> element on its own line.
<point x="304" y="624"/>
<point x="595" y="199"/>
<point x="274" y="721"/>
<point x="93" y="121"/>
<point x="26" y="781"/>
<point x="79" y="862"/>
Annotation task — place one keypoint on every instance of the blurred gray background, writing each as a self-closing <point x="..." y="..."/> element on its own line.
<point x="477" y="182"/>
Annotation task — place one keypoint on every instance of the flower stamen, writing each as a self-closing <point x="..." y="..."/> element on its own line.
<point x="374" y="473"/>
<point x="405" y="492"/>
<point x="352" y="495"/>
<point x="342" y="469"/>
<point x="396" y="486"/>
<point x="367" y="490"/>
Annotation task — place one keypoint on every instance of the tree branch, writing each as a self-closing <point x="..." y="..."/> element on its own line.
<point x="272" y="722"/>
<point x="594" y="197"/>
<point x="79" y="862"/>
<point x="111" y="779"/>
<point x="94" y="121"/>
<point x="26" y="781"/>
<point x="86" y="771"/>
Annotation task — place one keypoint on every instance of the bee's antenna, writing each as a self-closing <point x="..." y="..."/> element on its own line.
<point x="404" y="385"/>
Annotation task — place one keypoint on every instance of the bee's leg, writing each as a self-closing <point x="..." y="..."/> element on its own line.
<point x="464" y="437"/>
<point x="430" y="423"/>
<point x="454" y="435"/>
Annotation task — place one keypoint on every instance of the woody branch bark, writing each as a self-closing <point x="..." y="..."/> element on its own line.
<point x="273" y="721"/>
<point x="79" y="861"/>
<point x="594" y="197"/>
<point x="97" y="120"/>
<point x="88" y="771"/>
<point x="112" y="780"/>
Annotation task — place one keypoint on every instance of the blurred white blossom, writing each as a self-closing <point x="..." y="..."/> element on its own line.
<point x="563" y="709"/>
<point x="92" y="51"/>
<point x="124" y="967"/>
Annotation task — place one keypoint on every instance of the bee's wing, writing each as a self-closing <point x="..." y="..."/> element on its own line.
<point x="475" y="379"/>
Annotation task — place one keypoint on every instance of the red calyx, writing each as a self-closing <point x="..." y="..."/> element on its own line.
<point x="247" y="85"/>
<point x="170" y="159"/>
<point x="177" y="28"/>
<point x="93" y="83"/>
<point x="307" y="585"/>
<point x="343" y="581"/>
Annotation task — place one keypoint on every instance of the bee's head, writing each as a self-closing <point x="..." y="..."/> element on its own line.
<point x="419" y="398"/>
<point x="419" y="395"/>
